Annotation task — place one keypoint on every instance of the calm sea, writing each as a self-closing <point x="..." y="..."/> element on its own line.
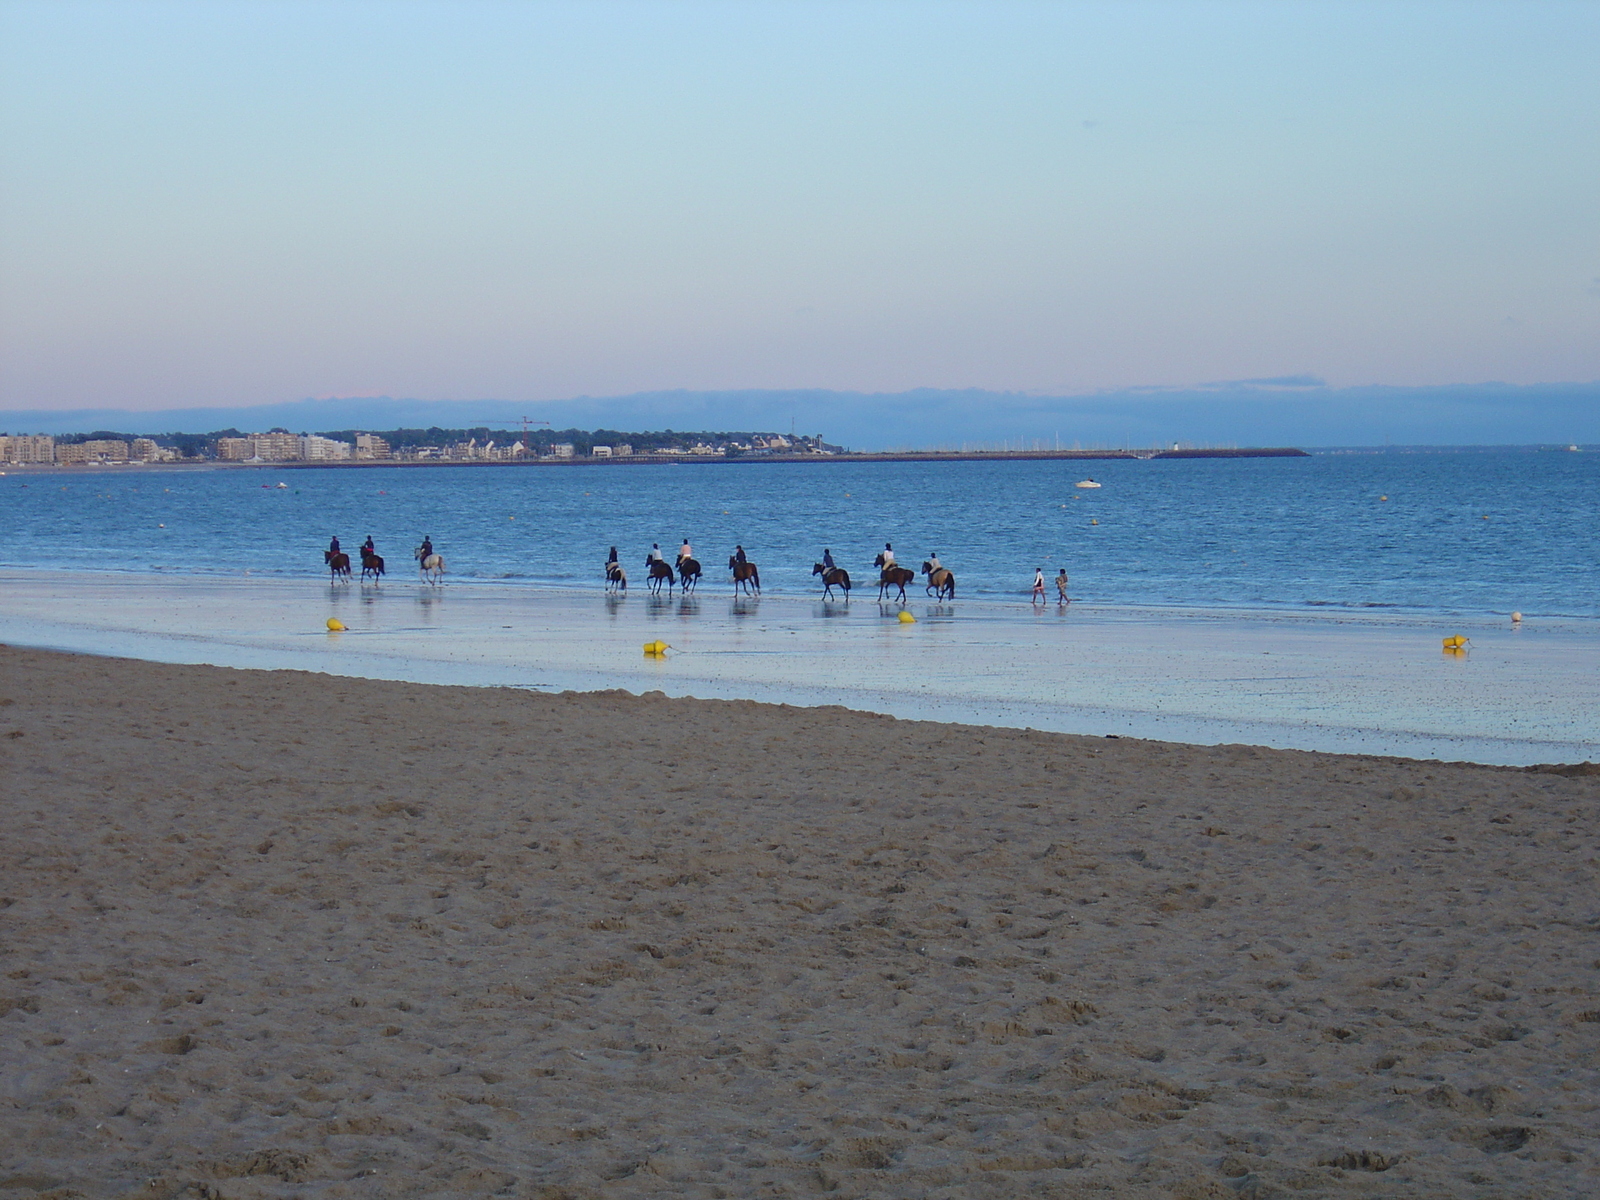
<point x="1465" y="532"/>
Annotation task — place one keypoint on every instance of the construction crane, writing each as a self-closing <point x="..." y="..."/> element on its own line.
<point x="525" y="423"/>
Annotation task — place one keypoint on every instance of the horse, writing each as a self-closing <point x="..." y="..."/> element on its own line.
<point x="745" y="575"/>
<point x="659" y="572"/>
<point x="941" y="583"/>
<point x="616" y="577"/>
<point x="688" y="574"/>
<point x="895" y="577"/>
<point x="429" y="566"/>
<point x="371" y="564"/>
<point x="832" y="577"/>
<point x="338" y="565"/>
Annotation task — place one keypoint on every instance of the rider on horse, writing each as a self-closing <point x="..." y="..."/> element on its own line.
<point x="427" y="547"/>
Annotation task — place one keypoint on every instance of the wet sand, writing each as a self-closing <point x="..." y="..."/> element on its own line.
<point x="1350" y="683"/>
<point x="272" y="934"/>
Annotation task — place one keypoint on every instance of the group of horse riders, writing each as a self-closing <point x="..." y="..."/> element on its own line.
<point x="429" y="563"/>
<point x="685" y="572"/>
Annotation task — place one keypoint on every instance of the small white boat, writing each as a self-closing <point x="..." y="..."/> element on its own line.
<point x="1086" y="483"/>
<point x="283" y="485"/>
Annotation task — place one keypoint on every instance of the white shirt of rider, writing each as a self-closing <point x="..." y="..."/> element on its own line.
<point x="888" y="558"/>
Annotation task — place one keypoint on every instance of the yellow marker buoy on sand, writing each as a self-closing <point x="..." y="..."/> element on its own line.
<point x="1456" y="643"/>
<point x="335" y="625"/>
<point x="1516" y="618"/>
<point x="656" y="649"/>
<point x="906" y="618"/>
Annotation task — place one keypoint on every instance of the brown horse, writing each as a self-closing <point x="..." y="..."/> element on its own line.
<point x="338" y="565"/>
<point x="941" y="583"/>
<point x="832" y="577"/>
<point x="616" y="577"/>
<point x="745" y="576"/>
<point x="895" y="577"/>
<point x="660" y="572"/>
<point x="688" y="574"/>
<point x="371" y="564"/>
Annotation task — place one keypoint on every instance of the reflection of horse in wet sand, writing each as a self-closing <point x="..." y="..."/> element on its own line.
<point x="660" y="573"/>
<point x="371" y="564"/>
<point x="895" y="577"/>
<point x="688" y="574"/>
<point x="745" y="576"/>
<point x="431" y="566"/>
<point x="338" y="565"/>
<point x="941" y="583"/>
<point x="616" y="577"/>
<point x="832" y="577"/>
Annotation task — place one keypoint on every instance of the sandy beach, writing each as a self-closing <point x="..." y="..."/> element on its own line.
<point x="287" y="934"/>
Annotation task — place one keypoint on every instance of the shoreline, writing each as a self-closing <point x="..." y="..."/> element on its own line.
<point x="1340" y="682"/>
<point x="268" y="931"/>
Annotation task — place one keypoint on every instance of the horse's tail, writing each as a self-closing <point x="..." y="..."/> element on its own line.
<point x="950" y="583"/>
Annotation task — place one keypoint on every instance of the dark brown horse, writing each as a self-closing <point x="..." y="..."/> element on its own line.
<point x="338" y="565"/>
<point x="895" y="577"/>
<point x="832" y="577"/>
<point x="745" y="576"/>
<point x="941" y="583"/>
<point x="688" y="574"/>
<point x="371" y="564"/>
<point x="660" y="572"/>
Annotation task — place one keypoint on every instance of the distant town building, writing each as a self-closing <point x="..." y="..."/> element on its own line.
<point x="621" y="450"/>
<point x="235" y="449"/>
<point x="369" y="445"/>
<point x="28" y="448"/>
<point x="315" y="448"/>
<point x="563" y="449"/>
<point x="145" y="450"/>
<point x="97" y="450"/>
<point x="275" y="447"/>
<point x="600" y="451"/>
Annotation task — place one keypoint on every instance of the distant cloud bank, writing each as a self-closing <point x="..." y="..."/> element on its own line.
<point x="1290" y="410"/>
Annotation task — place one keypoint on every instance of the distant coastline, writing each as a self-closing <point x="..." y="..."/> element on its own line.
<point x="664" y="459"/>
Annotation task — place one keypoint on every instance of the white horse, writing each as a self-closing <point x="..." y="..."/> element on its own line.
<point x="430" y="567"/>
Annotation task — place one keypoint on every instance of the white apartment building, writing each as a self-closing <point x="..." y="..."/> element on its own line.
<point x="369" y="445"/>
<point x="315" y="448"/>
<point x="28" y="448"/>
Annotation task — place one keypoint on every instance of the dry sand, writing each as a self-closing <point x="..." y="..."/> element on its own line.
<point x="282" y="934"/>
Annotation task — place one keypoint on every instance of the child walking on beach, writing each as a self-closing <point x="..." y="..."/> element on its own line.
<point x="1061" y="587"/>
<point x="1038" y="585"/>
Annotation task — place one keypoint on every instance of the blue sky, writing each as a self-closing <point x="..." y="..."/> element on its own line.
<point x="228" y="204"/>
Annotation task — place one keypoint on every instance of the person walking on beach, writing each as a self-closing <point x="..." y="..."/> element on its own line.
<point x="1038" y="585"/>
<point x="1061" y="587"/>
<point x="827" y="559"/>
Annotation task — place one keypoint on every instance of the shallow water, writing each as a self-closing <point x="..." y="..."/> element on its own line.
<point x="1459" y="533"/>
<point x="1367" y="683"/>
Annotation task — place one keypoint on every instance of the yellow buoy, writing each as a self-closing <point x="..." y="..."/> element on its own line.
<point x="1516" y="618"/>
<point x="335" y="625"/>
<point x="1455" y="643"/>
<point x="1383" y="497"/>
<point x="656" y="649"/>
<point x="906" y="618"/>
<point x="1094" y="522"/>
